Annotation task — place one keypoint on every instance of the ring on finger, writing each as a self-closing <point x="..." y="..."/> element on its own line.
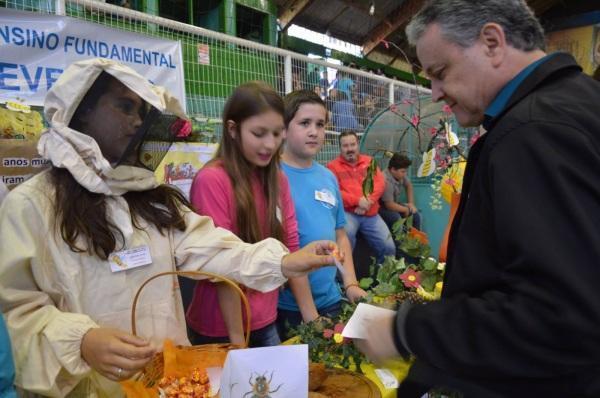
<point x="120" y="372"/>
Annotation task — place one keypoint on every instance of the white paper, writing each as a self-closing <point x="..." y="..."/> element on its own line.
<point x="339" y="266"/>
<point x="387" y="378"/>
<point x="365" y="314"/>
<point x="283" y="369"/>
<point x="214" y="377"/>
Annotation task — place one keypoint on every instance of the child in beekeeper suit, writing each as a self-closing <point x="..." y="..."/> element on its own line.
<point x="79" y="239"/>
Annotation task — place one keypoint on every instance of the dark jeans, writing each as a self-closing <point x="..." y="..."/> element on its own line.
<point x="287" y="319"/>
<point x="390" y="217"/>
<point x="263" y="337"/>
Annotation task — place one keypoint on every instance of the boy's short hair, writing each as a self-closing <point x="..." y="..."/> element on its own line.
<point x="296" y="98"/>
<point x="346" y="133"/>
<point x="399" y="161"/>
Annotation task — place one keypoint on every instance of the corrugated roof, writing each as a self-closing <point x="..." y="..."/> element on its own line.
<point x="349" y="20"/>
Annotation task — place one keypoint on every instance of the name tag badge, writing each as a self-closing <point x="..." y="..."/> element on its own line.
<point x="129" y="259"/>
<point x="326" y="197"/>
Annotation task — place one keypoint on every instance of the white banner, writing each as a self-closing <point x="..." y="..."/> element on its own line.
<point x="36" y="48"/>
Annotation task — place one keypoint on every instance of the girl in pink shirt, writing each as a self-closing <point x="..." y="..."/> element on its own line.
<point x="244" y="191"/>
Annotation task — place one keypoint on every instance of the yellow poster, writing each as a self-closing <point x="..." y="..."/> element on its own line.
<point x="182" y="162"/>
<point x="583" y="43"/>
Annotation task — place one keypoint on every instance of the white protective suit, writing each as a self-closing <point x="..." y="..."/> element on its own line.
<point x="51" y="296"/>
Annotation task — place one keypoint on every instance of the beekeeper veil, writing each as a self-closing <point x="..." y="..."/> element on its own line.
<point x="109" y="126"/>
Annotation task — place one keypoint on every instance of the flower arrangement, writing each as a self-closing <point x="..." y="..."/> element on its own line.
<point x="325" y="341"/>
<point x="442" y="158"/>
<point x="415" y="276"/>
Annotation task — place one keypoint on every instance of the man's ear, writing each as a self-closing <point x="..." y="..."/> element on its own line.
<point x="494" y="40"/>
<point x="231" y="130"/>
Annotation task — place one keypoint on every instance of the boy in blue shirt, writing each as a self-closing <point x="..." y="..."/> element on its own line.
<point x="320" y="214"/>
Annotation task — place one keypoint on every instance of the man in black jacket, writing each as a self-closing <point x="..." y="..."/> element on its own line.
<point x="520" y="310"/>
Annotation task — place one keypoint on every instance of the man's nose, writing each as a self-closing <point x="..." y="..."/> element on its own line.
<point x="437" y="93"/>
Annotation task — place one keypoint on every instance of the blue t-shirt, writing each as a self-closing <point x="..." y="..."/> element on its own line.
<point x="320" y="211"/>
<point x="7" y="369"/>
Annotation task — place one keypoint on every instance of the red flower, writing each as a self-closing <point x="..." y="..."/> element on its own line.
<point x="336" y="334"/>
<point x="181" y="128"/>
<point x="433" y="131"/>
<point x="411" y="278"/>
<point x="339" y="328"/>
<point x="474" y="138"/>
<point x="447" y="110"/>
<point x="415" y="120"/>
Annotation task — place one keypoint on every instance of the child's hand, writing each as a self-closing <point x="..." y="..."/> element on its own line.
<point x="312" y="256"/>
<point x="115" y="354"/>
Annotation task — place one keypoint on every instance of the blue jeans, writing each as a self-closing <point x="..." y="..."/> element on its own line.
<point x="263" y="337"/>
<point x="390" y="217"/>
<point x="375" y="232"/>
<point x="287" y="319"/>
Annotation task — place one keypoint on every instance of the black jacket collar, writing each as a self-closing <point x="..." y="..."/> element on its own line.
<point x="559" y="63"/>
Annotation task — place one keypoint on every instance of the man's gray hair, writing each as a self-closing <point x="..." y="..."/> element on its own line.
<point x="461" y="22"/>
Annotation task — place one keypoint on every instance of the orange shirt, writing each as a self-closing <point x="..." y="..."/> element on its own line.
<point x="351" y="176"/>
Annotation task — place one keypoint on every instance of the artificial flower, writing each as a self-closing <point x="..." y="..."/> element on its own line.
<point x="337" y="330"/>
<point x="181" y="128"/>
<point x="415" y="119"/>
<point x="424" y="294"/>
<point x="410" y="278"/>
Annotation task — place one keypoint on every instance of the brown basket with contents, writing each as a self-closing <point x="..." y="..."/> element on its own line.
<point x="181" y="361"/>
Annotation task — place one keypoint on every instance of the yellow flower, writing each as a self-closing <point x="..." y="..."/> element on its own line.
<point x="438" y="288"/>
<point x="338" y="338"/>
<point x="425" y="294"/>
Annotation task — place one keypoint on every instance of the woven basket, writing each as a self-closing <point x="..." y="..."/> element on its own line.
<point x="153" y="372"/>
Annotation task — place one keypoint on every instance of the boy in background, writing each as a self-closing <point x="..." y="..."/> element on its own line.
<point x="396" y="181"/>
<point x="319" y="211"/>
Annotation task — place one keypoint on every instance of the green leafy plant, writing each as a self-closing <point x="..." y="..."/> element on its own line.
<point x="369" y="182"/>
<point x="414" y="275"/>
<point x="325" y="343"/>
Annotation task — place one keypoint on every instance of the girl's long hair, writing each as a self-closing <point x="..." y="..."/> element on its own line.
<point x="81" y="214"/>
<point x="251" y="99"/>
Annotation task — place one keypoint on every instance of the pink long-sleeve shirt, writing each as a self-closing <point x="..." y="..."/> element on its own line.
<point x="212" y="195"/>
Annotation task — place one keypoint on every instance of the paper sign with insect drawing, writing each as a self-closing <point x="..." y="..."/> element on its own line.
<point x="267" y="372"/>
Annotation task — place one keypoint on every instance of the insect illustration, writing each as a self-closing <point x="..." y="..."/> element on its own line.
<point x="261" y="388"/>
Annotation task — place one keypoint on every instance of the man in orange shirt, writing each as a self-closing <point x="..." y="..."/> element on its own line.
<point x="350" y="169"/>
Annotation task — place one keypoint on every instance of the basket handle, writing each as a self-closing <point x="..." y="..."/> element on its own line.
<point x="191" y="274"/>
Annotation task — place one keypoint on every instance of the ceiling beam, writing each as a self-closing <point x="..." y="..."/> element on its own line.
<point x="291" y="10"/>
<point x="365" y="7"/>
<point x="540" y="7"/>
<point x="399" y="17"/>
